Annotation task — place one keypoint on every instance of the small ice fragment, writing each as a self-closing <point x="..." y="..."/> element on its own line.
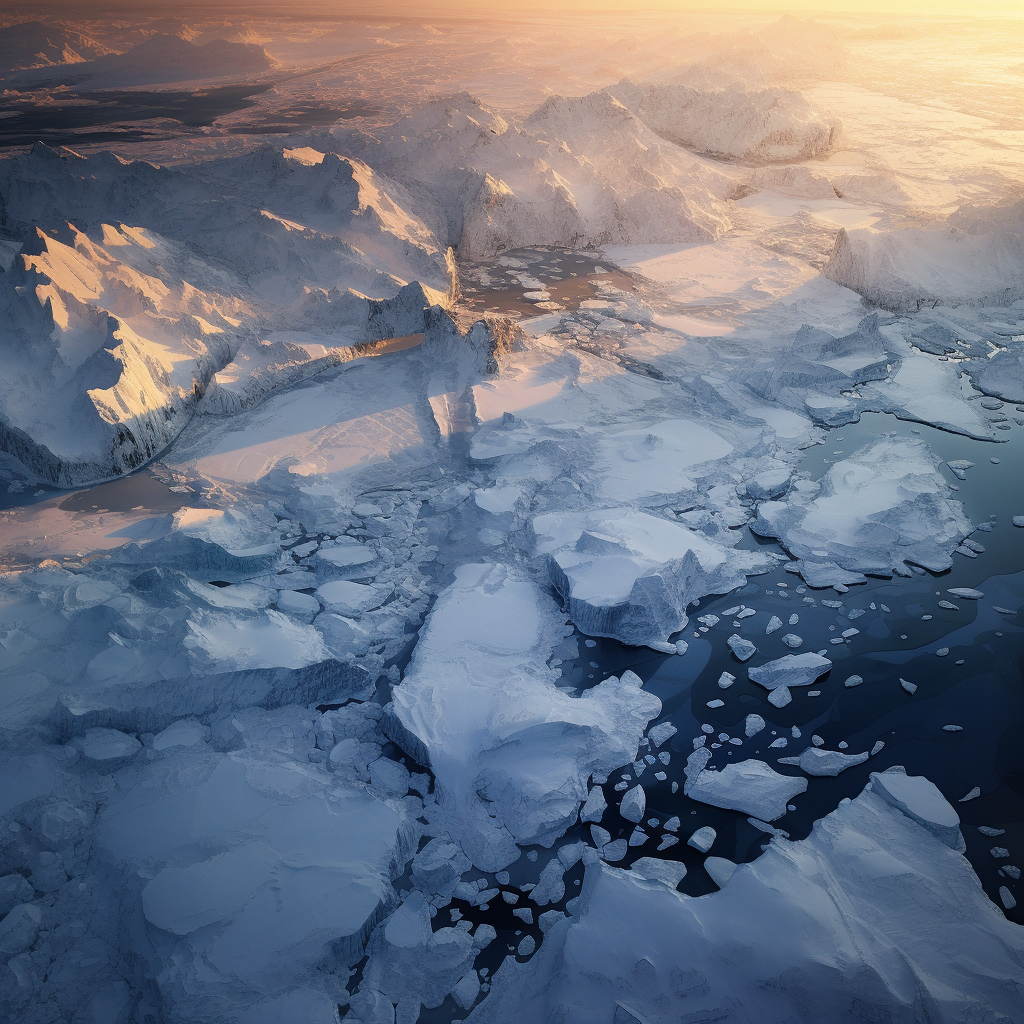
<point x="795" y="732"/>
<point x="832" y="604"/>
<point x="999" y="852"/>
<point x="524" y="914"/>
<point x="510" y="897"/>
<point x="731" y="611"/>
<point x="847" y="633"/>
<point x="707" y="728"/>
<point x="703" y="839"/>
<point x="780" y="696"/>
<point x="753" y="725"/>
<point x="675" y="787"/>
<point x="973" y="795"/>
<point x="774" y="623"/>
<point x="615" y="851"/>
<point x="639" y="837"/>
<point x="1010" y="870"/>
<point x="942" y="652"/>
<point x="596" y="805"/>
<point x="779" y="743"/>
<point x="794" y="619"/>
<point x="600" y="836"/>
<point x="949" y="606"/>
<point x="682" y="647"/>
<point x="1008" y="901"/>
<point x="633" y="804"/>
<point x="672" y="825"/>
<point x="854" y="681"/>
<point x="952" y="728"/>
<point x="987" y="830"/>
<point x="908" y="685"/>
<point x="792" y="640"/>
<point x="667" y="841"/>
<point x="967" y="593"/>
<point x="879" y="744"/>
<point x="745" y="613"/>
<point x="590" y="643"/>
<point x="527" y="946"/>
<point x="725" y="680"/>
<point x="743" y="649"/>
<point x="843" y="744"/>
<point x="884" y="607"/>
<point x="502" y="877"/>
<point x="817" y="740"/>
<point x="1018" y="521"/>
<point x="709" y="620"/>
<point x="716" y="704"/>
<point x="660" y="776"/>
<point x="620" y="786"/>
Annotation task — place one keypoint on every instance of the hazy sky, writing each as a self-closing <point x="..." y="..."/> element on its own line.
<point x="917" y="7"/>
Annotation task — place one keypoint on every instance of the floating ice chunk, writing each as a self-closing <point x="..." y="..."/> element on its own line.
<point x="630" y="575"/>
<point x="987" y="830"/>
<point x="725" y="680"/>
<point x="655" y="869"/>
<point x="745" y="613"/>
<point x="703" y="839"/>
<point x="1006" y="898"/>
<point x="774" y="623"/>
<point x="343" y="597"/>
<point x="468" y="988"/>
<point x="952" y="728"/>
<point x="854" y="680"/>
<point x="596" y="805"/>
<point x="108" y="745"/>
<point x="600" y="836"/>
<point x="672" y="825"/>
<point x="550" y="887"/>
<point x="967" y="593"/>
<point x="634" y="804"/>
<point x="1018" y="521"/>
<point x="877" y="747"/>
<point x="638" y="837"/>
<point x="742" y="648"/>
<point x="908" y="685"/>
<point x="186" y="732"/>
<point x="868" y="515"/>
<point x="790" y="670"/>
<point x="615" y="851"/>
<point x="919" y="799"/>
<point x="303" y="607"/>
<point x="999" y="853"/>
<point x="817" y="761"/>
<point x="753" y="725"/>
<point x="750" y="786"/>
<point x="780" y="696"/>
<point x="480" y="703"/>
<point x="720" y="869"/>
<point x="792" y="640"/>
<point x="779" y="743"/>
<point x="716" y="704"/>
<point x="666" y="840"/>
<point x="662" y="732"/>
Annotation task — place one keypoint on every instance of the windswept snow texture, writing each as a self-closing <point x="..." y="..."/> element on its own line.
<point x="877" y="512"/>
<point x="871" y="915"/>
<point x="511" y="753"/>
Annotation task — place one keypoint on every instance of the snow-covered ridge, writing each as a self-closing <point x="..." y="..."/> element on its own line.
<point x="136" y="284"/>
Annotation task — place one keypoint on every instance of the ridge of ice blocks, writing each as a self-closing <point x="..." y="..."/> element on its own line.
<point x="510" y="752"/>
<point x="751" y="786"/>
<point x="869" y="915"/>
<point x="878" y="511"/>
<point x="977" y="259"/>
<point x="630" y="575"/>
<point x="790" y="670"/>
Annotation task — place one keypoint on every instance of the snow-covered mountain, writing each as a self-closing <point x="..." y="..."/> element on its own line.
<point x="30" y="44"/>
<point x="145" y="281"/>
